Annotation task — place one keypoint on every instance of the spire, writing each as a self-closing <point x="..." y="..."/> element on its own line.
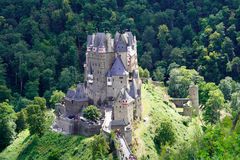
<point x="125" y="96"/>
<point x="118" y="68"/>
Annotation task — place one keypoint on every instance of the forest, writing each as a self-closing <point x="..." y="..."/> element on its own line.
<point x="43" y="45"/>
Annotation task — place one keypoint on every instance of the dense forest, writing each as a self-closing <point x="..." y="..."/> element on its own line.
<point x="43" y="44"/>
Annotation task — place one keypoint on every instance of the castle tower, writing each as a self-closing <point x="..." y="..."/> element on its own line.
<point x="134" y="92"/>
<point x="117" y="78"/>
<point x="123" y="107"/>
<point x="193" y="95"/>
<point x="99" y="58"/>
<point x="125" y="46"/>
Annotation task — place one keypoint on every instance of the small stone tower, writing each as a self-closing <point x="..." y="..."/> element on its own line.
<point x="193" y="95"/>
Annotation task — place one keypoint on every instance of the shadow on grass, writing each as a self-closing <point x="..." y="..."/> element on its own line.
<point x="50" y="146"/>
<point x="29" y="148"/>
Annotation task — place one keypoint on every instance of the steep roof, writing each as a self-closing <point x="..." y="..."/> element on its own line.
<point x="90" y="39"/>
<point x="70" y="93"/>
<point x="118" y="68"/>
<point x="123" y="95"/>
<point x="100" y="40"/>
<point x="77" y="94"/>
<point x="133" y="89"/>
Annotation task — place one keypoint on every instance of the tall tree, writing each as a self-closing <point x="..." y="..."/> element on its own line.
<point x="7" y="125"/>
<point x="211" y="113"/>
<point x="36" y="119"/>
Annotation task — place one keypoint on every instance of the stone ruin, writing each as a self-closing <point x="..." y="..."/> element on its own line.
<point x="188" y="106"/>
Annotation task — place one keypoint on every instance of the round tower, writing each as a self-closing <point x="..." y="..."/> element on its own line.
<point x="193" y="95"/>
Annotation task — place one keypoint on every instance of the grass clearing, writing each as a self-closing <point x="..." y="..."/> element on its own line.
<point x="157" y="108"/>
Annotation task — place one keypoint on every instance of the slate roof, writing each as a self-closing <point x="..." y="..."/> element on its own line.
<point x="125" y="96"/>
<point x="118" y="123"/>
<point x="90" y="39"/>
<point x="118" y="68"/>
<point x="100" y="40"/>
<point x="78" y="94"/>
<point x="70" y="93"/>
<point x="133" y="89"/>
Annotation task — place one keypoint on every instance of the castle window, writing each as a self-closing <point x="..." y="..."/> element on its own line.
<point x="121" y="81"/>
<point x="120" y="77"/>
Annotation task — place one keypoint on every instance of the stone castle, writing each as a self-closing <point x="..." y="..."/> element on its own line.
<point x="111" y="82"/>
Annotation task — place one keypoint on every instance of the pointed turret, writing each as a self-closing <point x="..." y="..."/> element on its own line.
<point x="118" y="68"/>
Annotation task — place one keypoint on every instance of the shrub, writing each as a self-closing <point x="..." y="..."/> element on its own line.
<point x="92" y="113"/>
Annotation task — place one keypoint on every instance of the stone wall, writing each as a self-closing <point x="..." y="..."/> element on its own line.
<point x="73" y="107"/>
<point x="77" y="126"/>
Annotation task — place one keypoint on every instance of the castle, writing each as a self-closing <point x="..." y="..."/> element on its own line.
<point x="111" y="80"/>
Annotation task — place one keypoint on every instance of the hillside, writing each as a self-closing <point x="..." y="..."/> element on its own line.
<point x="155" y="110"/>
<point x="50" y="145"/>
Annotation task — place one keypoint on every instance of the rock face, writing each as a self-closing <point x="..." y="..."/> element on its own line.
<point x="111" y="79"/>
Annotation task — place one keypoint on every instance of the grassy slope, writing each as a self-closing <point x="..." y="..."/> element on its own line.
<point x="27" y="147"/>
<point x="156" y="108"/>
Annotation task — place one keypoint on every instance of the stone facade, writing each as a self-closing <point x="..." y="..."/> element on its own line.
<point x="111" y="79"/>
<point x="190" y="106"/>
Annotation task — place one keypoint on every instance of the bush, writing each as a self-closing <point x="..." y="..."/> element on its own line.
<point x="164" y="134"/>
<point x="92" y="113"/>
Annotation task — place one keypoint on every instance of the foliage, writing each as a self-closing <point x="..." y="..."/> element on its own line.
<point x="228" y="86"/>
<point x="21" y="121"/>
<point x="56" y="97"/>
<point x="40" y="101"/>
<point x="215" y="102"/>
<point x="92" y="113"/>
<point x="235" y="101"/>
<point x="100" y="147"/>
<point x="164" y="134"/>
<point x="7" y="125"/>
<point x="36" y="119"/>
<point x="5" y="93"/>
<point x="217" y="142"/>
<point x="180" y="80"/>
<point x="204" y="89"/>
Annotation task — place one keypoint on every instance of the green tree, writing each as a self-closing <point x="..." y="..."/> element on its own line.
<point x="56" y="97"/>
<point x="67" y="78"/>
<point x="5" y="93"/>
<point x="227" y="86"/>
<point x="159" y="73"/>
<point x="36" y="119"/>
<point x="146" y="73"/>
<point x="40" y="101"/>
<point x="31" y="89"/>
<point x="7" y="125"/>
<point x="100" y="147"/>
<point x="21" y="121"/>
<point x="92" y="113"/>
<point x="235" y="101"/>
<point x="215" y="102"/>
<point x="204" y="89"/>
<point x="2" y="72"/>
<point x="180" y="80"/>
<point x="164" y="134"/>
